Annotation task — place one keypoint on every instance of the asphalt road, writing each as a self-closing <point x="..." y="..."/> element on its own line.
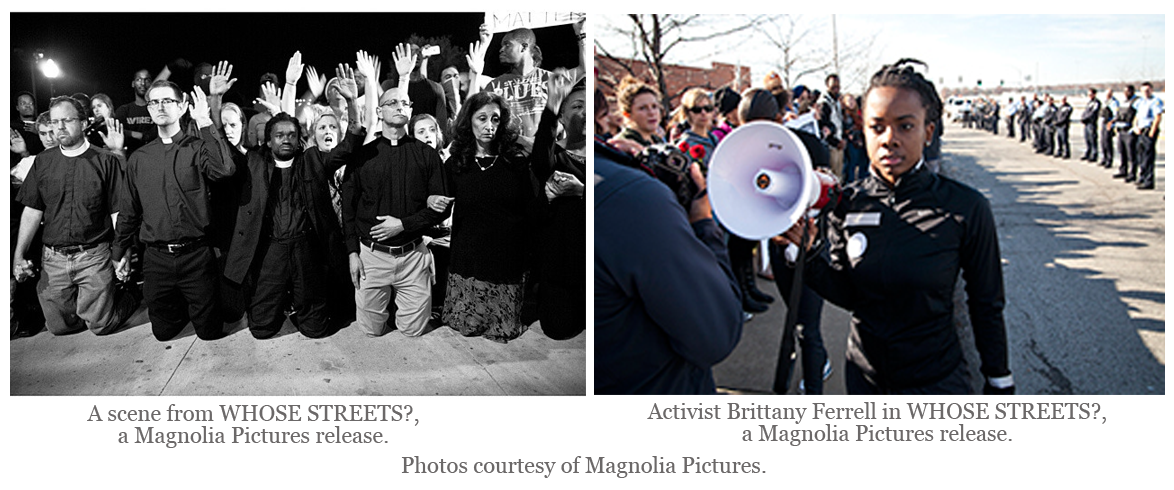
<point x="1084" y="273"/>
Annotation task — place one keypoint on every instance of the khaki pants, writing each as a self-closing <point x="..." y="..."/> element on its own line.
<point x="76" y="290"/>
<point x="409" y="275"/>
<point x="836" y="161"/>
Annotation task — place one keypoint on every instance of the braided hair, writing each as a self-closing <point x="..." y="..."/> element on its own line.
<point x="902" y="75"/>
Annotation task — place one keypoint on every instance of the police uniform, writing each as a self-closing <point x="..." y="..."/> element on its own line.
<point x="1038" y="117"/>
<point x="892" y="258"/>
<point x="1012" y="110"/>
<point x="667" y="304"/>
<point x="1126" y="140"/>
<point x="1148" y="111"/>
<point x="1108" y="112"/>
<point x="1049" y="129"/>
<point x="1060" y="121"/>
<point x="1089" y="118"/>
<point x="1024" y="119"/>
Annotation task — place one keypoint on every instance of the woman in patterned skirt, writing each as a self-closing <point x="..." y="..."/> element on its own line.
<point x="490" y="181"/>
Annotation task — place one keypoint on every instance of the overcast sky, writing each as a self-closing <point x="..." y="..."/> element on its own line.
<point x="1015" y="49"/>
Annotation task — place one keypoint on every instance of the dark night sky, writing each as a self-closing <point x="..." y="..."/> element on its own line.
<point x="99" y="52"/>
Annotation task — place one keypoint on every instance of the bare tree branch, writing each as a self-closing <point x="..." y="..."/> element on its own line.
<point x="655" y="36"/>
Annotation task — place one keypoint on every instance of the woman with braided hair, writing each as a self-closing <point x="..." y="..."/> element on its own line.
<point x="896" y="241"/>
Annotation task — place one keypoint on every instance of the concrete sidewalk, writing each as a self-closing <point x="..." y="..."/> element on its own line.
<point x="441" y="362"/>
<point x="1112" y="299"/>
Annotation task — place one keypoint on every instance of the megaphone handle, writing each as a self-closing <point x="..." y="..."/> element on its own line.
<point x="786" y="363"/>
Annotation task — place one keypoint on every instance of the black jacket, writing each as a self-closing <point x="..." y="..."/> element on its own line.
<point x="1091" y="111"/>
<point x="667" y="305"/>
<point x="893" y="257"/>
<point x="1063" y="116"/>
<point x="1050" y="116"/>
<point x="313" y="169"/>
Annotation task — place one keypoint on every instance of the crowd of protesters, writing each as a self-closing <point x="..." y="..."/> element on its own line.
<point x="391" y="202"/>
<point x="1133" y="123"/>
<point x="830" y="125"/>
<point x="673" y="288"/>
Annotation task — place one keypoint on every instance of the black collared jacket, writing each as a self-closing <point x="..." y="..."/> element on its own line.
<point x="166" y="194"/>
<point x="312" y="169"/>
<point x="893" y="254"/>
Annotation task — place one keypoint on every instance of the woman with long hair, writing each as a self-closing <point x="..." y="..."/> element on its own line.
<point x="489" y="178"/>
<point x="101" y="111"/>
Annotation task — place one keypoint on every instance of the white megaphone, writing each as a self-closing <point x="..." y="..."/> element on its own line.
<point x="761" y="180"/>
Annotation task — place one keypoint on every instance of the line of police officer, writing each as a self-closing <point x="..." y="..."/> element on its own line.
<point x="1134" y="123"/>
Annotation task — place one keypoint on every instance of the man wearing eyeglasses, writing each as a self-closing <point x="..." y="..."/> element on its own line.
<point x="73" y="189"/>
<point x="134" y="116"/>
<point x="165" y="203"/>
<point x="385" y="214"/>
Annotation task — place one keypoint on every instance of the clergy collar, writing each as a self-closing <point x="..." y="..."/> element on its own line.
<point x="77" y="151"/>
<point x="283" y="163"/>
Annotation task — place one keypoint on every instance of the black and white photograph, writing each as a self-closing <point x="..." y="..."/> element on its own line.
<point x="248" y="203"/>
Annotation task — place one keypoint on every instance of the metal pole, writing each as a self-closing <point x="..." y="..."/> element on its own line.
<point x="33" y="77"/>
<point x="835" y="45"/>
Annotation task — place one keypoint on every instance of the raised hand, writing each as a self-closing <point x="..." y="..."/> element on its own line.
<point x="113" y="137"/>
<point x="476" y="57"/>
<point x="366" y="64"/>
<point x="578" y="26"/>
<point x="484" y="34"/>
<point x="317" y="82"/>
<point x="348" y="88"/>
<point x="557" y="87"/>
<point x="221" y="80"/>
<point x="16" y="141"/>
<point x="405" y="60"/>
<point x="270" y="98"/>
<point x="293" y="70"/>
<point x="200" y="110"/>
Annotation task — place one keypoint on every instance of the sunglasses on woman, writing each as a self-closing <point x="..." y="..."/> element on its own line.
<point x="701" y="108"/>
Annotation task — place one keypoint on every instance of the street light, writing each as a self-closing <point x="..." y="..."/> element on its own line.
<point x="50" y="69"/>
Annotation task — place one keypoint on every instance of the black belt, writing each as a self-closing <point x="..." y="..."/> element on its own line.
<point x="72" y="249"/>
<point x="295" y="236"/>
<point x="178" y="247"/>
<point x="393" y="250"/>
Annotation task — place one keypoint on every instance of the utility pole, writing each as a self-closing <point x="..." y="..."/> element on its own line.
<point x="835" y="46"/>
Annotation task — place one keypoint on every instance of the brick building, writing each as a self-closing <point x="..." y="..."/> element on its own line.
<point x="679" y="77"/>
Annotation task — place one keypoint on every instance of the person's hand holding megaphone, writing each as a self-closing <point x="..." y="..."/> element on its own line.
<point x="794" y="235"/>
